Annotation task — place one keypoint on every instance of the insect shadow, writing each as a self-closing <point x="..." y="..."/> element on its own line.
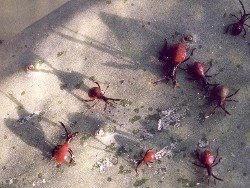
<point x="29" y="130"/>
<point x="70" y="81"/>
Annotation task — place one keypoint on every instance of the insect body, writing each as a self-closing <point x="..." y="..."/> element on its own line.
<point x="237" y="27"/>
<point x="97" y="93"/>
<point x="61" y="152"/>
<point x="173" y="57"/>
<point x="208" y="161"/>
<point x="198" y="72"/>
<point x="148" y="157"/>
<point x="220" y="94"/>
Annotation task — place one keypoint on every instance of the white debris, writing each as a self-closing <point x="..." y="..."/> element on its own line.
<point x="30" y="67"/>
<point x="104" y="164"/>
<point x="169" y="117"/>
<point x="203" y="143"/>
<point x="36" y="183"/>
<point x="28" y="117"/>
<point x="102" y="169"/>
<point x="11" y="181"/>
<point x="233" y="155"/>
<point x="100" y="132"/>
<point x="167" y="150"/>
<point x="146" y="136"/>
<point x="157" y="172"/>
<point x="160" y="171"/>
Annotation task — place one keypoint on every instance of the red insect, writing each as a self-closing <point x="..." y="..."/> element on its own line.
<point x="148" y="157"/>
<point x="61" y="152"/>
<point x="174" y="56"/>
<point x="198" y="72"/>
<point x="208" y="160"/>
<point x="220" y="93"/>
<point x="97" y="93"/>
<point x="237" y="27"/>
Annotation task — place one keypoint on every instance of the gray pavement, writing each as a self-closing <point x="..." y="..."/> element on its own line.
<point x="117" y="42"/>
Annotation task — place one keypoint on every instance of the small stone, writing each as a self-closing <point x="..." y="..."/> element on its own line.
<point x="125" y="102"/>
<point x="135" y="131"/>
<point x="63" y="86"/>
<point x="146" y="136"/>
<point x="40" y="175"/>
<point x="136" y="110"/>
<point x="92" y="78"/>
<point x="100" y="132"/>
<point x="134" y="119"/>
<point x="30" y="68"/>
<point x="60" y="53"/>
<point x="203" y="143"/>
<point x="150" y="109"/>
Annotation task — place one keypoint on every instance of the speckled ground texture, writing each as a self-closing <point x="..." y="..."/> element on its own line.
<point x="117" y="42"/>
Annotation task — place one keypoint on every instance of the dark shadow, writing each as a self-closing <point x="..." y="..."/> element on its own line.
<point x="29" y="131"/>
<point x="142" y="42"/>
<point x="232" y="74"/>
<point x="170" y="135"/>
<point x="132" y="35"/>
<point x="126" y="146"/>
<point x="86" y="124"/>
<point x="88" y="41"/>
<point x="70" y="81"/>
<point x="38" y="31"/>
<point x="129" y="148"/>
<point x="130" y="47"/>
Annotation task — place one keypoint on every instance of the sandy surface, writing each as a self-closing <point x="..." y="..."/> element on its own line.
<point x="117" y="43"/>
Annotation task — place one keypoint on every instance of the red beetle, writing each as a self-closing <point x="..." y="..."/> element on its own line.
<point x="208" y="160"/>
<point x="237" y="27"/>
<point x="61" y="152"/>
<point x="220" y="93"/>
<point x="174" y="56"/>
<point x="198" y="72"/>
<point x="97" y="93"/>
<point x="148" y="157"/>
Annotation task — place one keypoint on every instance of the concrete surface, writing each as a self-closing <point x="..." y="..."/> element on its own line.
<point x="16" y="15"/>
<point x="117" y="42"/>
